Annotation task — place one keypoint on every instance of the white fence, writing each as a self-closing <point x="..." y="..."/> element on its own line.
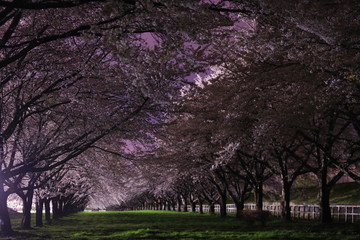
<point x="339" y="213"/>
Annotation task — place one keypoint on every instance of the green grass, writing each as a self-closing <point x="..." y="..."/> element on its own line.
<point x="173" y="225"/>
<point x="343" y="193"/>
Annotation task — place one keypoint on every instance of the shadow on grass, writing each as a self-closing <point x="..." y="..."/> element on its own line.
<point x="174" y="225"/>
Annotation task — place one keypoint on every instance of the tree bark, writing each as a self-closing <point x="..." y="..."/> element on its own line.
<point x="185" y="204"/>
<point x="60" y="209"/>
<point x="325" y="210"/>
<point x="201" y="207"/>
<point x="223" y="201"/>
<point x="27" y="205"/>
<point x="239" y="208"/>
<point x="179" y="204"/>
<point x="259" y="196"/>
<point x="47" y="210"/>
<point x="211" y="208"/>
<point x="39" y="212"/>
<point x="5" y="223"/>
<point x="286" y="209"/>
<point x="161" y="205"/>
<point x="193" y="206"/>
<point x="54" y="203"/>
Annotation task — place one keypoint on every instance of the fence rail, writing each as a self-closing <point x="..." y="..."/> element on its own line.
<point x="339" y="213"/>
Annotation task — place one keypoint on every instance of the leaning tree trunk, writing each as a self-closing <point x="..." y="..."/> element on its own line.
<point x="39" y="212"/>
<point x="27" y="205"/>
<point x="259" y="194"/>
<point x="5" y="222"/>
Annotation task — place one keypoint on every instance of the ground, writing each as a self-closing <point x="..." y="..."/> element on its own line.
<point x="174" y="225"/>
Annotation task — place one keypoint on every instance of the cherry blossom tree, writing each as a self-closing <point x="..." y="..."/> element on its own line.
<point x="53" y="68"/>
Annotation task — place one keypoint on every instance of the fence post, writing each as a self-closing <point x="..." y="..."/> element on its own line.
<point x="346" y="214"/>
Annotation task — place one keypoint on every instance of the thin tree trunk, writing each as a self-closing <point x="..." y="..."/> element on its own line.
<point x="60" y="209"/>
<point x="185" y="204"/>
<point x="160" y="205"/>
<point x="39" y="212"/>
<point x="201" y="207"/>
<point x="47" y="210"/>
<point x="54" y="203"/>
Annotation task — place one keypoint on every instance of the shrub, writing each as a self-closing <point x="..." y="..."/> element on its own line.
<point x="251" y="216"/>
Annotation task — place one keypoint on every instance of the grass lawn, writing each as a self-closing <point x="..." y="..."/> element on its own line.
<point x="173" y="225"/>
<point x="343" y="193"/>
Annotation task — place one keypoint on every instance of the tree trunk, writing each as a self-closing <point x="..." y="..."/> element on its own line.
<point x="239" y="208"/>
<point x="285" y="206"/>
<point x="179" y="204"/>
<point x="259" y="196"/>
<point x="239" y="199"/>
<point x="325" y="210"/>
<point x="60" y="209"/>
<point x="211" y="208"/>
<point x="27" y="205"/>
<point x="223" y="201"/>
<point x="39" y="212"/>
<point x="169" y="206"/>
<point x="54" y="203"/>
<point x="47" y="210"/>
<point x="193" y="206"/>
<point x="185" y="204"/>
<point x="201" y="207"/>
<point x="160" y="205"/>
<point x="5" y="222"/>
